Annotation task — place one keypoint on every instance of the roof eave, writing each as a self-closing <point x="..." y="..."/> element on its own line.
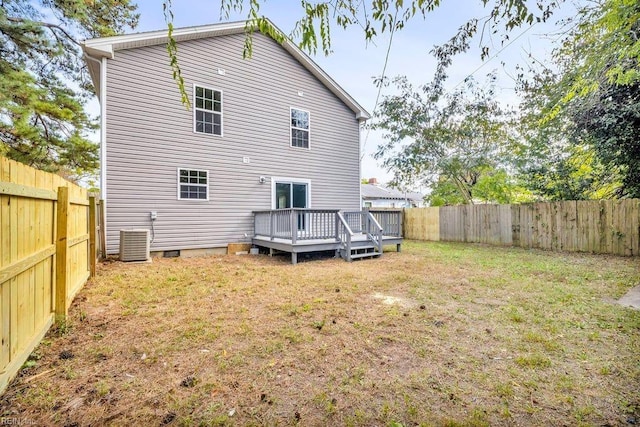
<point x="98" y="51"/>
<point x="106" y="47"/>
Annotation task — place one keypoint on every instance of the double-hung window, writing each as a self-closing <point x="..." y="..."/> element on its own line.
<point x="193" y="184"/>
<point x="299" y="128"/>
<point x="207" y="111"/>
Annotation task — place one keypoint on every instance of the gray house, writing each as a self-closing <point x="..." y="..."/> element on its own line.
<point x="273" y="133"/>
<point x="375" y="195"/>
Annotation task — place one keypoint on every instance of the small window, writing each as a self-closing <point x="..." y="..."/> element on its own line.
<point x="207" y="111"/>
<point x="299" y="128"/>
<point x="193" y="184"/>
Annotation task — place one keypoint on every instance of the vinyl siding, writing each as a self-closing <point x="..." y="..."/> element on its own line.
<point x="150" y="135"/>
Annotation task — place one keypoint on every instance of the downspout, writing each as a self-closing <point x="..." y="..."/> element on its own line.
<point x="361" y="123"/>
<point x="103" y="133"/>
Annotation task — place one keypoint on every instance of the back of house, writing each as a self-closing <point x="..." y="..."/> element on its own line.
<point x="270" y="132"/>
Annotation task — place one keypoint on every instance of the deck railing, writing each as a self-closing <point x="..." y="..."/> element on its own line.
<point x="355" y="220"/>
<point x="365" y="223"/>
<point x="374" y="231"/>
<point x="310" y="224"/>
<point x="389" y="220"/>
<point x="345" y="234"/>
<point x="296" y="224"/>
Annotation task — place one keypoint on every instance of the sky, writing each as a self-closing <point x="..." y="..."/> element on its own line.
<point x="354" y="63"/>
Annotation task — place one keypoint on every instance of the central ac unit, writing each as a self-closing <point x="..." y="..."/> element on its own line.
<point x="134" y="245"/>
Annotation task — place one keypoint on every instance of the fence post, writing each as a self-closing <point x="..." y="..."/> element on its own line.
<point x="61" y="253"/>
<point x="92" y="235"/>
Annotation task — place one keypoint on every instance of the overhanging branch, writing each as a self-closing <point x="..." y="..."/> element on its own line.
<point x="48" y="25"/>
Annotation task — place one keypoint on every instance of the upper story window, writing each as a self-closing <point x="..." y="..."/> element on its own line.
<point x="208" y="110"/>
<point x="299" y="128"/>
<point x="193" y="184"/>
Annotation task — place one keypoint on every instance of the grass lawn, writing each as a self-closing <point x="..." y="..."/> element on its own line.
<point x="440" y="334"/>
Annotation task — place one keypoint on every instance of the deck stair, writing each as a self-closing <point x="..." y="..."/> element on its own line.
<point x="363" y="252"/>
<point x="361" y="247"/>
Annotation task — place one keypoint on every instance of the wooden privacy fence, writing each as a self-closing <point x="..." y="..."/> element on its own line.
<point x="603" y="226"/>
<point x="47" y="253"/>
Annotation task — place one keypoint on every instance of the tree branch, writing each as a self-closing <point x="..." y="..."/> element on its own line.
<point x="44" y="125"/>
<point x="48" y="25"/>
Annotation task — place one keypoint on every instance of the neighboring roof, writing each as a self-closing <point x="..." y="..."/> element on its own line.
<point x="415" y="196"/>
<point x="106" y="47"/>
<point x="372" y="191"/>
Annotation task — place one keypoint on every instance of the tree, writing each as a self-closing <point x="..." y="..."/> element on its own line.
<point x="552" y="158"/>
<point x="583" y="116"/>
<point x="493" y="186"/>
<point x="313" y="30"/>
<point x="611" y="125"/>
<point x="43" y="82"/>
<point x="451" y="142"/>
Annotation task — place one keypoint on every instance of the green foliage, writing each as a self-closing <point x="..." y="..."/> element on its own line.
<point x="604" y="47"/>
<point x="44" y="83"/>
<point x="498" y="186"/>
<point x="553" y="159"/>
<point x="458" y="144"/>
<point x="444" y="193"/>
<point x="313" y="30"/>
<point x="611" y="125"/>
<point x="580" y="121"/>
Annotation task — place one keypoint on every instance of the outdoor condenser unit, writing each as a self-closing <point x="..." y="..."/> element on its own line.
<point x="134" y="245"/>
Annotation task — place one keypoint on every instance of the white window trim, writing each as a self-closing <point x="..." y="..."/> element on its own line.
<point x="193" y="99"/>
<point x="192" y="169"/>
<point x="287" y="180"/>
<point x="291" y="128"/>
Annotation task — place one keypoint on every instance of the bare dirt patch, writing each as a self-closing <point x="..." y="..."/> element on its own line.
<point x="392" y="300"/>
<point x="458" y="335"/>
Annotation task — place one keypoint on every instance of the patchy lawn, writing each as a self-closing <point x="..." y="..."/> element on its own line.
<point x="444" y="334"/>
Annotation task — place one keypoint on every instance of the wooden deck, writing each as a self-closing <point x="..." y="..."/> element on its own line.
<point x="351" y="235"/>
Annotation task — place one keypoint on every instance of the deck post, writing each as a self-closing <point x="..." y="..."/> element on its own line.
<point x="294" y="258"/>
<point x="294" y="227"/>
<point x="399" y="247"/>
<point x="273" y="226"/>
<point x="337" y="231"/>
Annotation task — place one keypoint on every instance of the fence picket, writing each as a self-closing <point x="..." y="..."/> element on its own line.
<point x="609" y="226"/>
<point x="28" y="275"/>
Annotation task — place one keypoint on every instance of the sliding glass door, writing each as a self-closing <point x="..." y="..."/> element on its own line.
<point x="292" y="195"/>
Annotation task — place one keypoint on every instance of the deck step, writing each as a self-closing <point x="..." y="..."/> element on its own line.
<point x="361" y="248"/>
<point x="366" y="254"/>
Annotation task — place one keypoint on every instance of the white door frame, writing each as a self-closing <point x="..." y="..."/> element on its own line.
<point x="287" y="180"/>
